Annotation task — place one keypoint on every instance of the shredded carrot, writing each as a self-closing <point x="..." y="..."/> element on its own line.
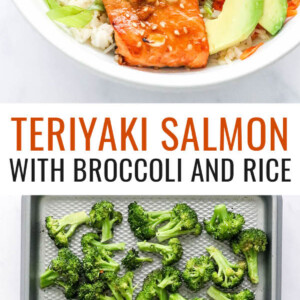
<point x="294" y="4"/>
<point x="291" y="13"/>
<point x="248" y="52"/>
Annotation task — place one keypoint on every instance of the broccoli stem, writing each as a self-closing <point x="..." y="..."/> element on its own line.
<point x="107" y="233"/>
<point x="101" y="297"/>
<point x="109" y="264"/>
<point x="48" y="278"/>
<point x="162" y="294"/>
<point x="216" y="294"/>
<point x="115" y="293"/>
<point x="220" y="213"/>
<point x="144" y="259"/>
<point x="109" y="247"/>
<point x="158" y="217"/>
<point x="166" y="281"/>
<point x="73" y="220"/>
<point x="252" y="262"/>
<point x="221" y="261"/>
<point x="175" y="232"/>
<point x="176" y="297"/>
<point x="162" y="213"/>
<point x="151" y="247"/>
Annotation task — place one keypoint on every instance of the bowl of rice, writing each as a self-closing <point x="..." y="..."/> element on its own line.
<point x="94" y="46"/>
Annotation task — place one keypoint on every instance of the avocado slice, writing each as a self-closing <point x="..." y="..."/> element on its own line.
<point x="234" y="25"/>
<point x="274" y="15"/>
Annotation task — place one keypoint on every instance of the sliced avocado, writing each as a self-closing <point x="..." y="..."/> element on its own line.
<point x="274" y="15"/>
<point x="235" y="23"/>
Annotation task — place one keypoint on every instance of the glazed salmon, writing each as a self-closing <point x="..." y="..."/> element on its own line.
<point x="159" y="33"/>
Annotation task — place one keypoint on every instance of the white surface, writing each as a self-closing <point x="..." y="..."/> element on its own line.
<point x="35" y="12"/>
<point x="10" y="250"/>
<point x="33" y="70"/>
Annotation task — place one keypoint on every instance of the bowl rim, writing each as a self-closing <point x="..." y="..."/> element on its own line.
<point x="200" y="78"/>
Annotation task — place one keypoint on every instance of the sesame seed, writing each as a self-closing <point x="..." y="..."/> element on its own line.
<point x="163" y="24"/>
<point x="204" y="39"/>
<point x="134" y="24"/>
<point x="176" y="32"/>
<point x="139" y="44"/>
<point x="142" y="32"/>
<point x="157" y="3"/>
<point x="154" y="27"/>
<point x="127" y="15"/>
<point x="146" y="8"/>
<point x="190" y="46"/>
<point x="185" y="30"/>
<point x="201" y="15"/>
<point x="170" y="48"/>
<point x="181" y="5"/>
<point x="143" y="25"/>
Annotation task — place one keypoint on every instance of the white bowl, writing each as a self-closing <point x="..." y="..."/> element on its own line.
<point x="286" y="40"/>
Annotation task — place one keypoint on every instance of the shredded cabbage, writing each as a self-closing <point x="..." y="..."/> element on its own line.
<point x="208" y="6"/>
<point x="72" y="16"/>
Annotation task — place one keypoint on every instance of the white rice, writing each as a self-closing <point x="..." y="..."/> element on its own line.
<point x="100" y="34"/>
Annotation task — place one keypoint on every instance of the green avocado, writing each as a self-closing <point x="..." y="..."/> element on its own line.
<point x="274" y="15"/>
<point x="235" y="23"/>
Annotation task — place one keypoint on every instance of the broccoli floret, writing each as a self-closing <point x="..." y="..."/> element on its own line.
<point x="104" y="217"/>
<point x="143" y="223"/>
<point x="224" y="225"/>
<point x="151" y="289"/>
<point x="91" y="240"/>
<point x="92" y="291"/>
<point x="171" y="253"/>
<point x="228" y="275"/>
<point x="179" y="297"/>
<point x="198" y="271"/>
<point x="60" y="230"/>
<point x="121" y="287"/>
<point x="218" y="295"/>
<point x="183" y="221"/>
<point x="64" y="271"/>
<point x="171" y="279"/>
<point x="133" y="261"/>
<point x="250" y="242"/>
<point x="98" y="263"/>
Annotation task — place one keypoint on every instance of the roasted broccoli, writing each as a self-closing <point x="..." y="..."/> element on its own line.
<point x="171" y="253"/>
<point x="133" y="261"/>
<point x="64" y="271"/>
<point x="97" y="263"/>
<point x="159" y="282"/>
<point x="143" y="223"/>
<point x="60" y="230"/>
<point x="183" y="221"/>
<point x="171" y="279"/>
<point x="197" y="272"/>
<point x="104" y="217"/>
<point x="92" y="291"/>
<point x="179" y="297"/>
<point x="228" y="275"/>
<point x="91" y="240"/>
<point x="120" y="287"/>
<point x="218" y="295"/>
<point x="224" y="225"/>
<point x="250" y="242"/>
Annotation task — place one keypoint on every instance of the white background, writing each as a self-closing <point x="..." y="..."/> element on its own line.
<point x="32" y="70"/>
<point x="10" y="233"/>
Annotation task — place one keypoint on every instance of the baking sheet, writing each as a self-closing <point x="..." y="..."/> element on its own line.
<point x="39" y="249"/>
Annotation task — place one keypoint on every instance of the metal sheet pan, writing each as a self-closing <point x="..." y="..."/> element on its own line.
<point x="38" y="249"/>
